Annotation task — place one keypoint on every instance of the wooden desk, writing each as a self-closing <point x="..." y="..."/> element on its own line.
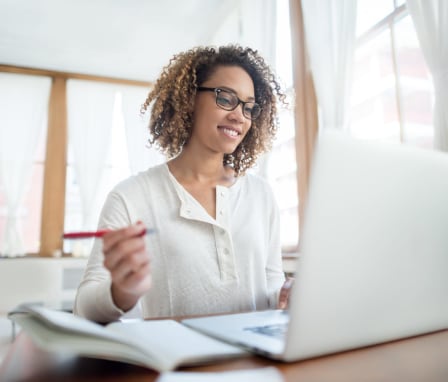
<point x="418" y="359"/>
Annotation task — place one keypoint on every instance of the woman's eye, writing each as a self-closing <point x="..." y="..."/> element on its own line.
<point x="224" y="101"/>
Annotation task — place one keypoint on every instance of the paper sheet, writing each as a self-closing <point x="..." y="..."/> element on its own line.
<point x="266" y="374"/>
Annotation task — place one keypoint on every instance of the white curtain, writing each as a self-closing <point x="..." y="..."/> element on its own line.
<point x="330" y="30"/>
<point x="90" y="108"/>
<point x="253" y="23"/>
<point x="23" y="115"/>
<point x="141" y="157"/>
<point x="430" y="18"/>
<point x="258" y="26"/>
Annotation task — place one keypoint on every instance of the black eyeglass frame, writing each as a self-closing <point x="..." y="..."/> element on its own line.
<point x="219" y="90"/>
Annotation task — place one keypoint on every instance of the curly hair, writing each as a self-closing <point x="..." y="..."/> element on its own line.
<point x="173" y="96"/>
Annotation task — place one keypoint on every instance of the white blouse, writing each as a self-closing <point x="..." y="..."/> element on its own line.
<point x="199" y="265"/>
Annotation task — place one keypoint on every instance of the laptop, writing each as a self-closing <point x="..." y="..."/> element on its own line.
<point x="374" y="256"/>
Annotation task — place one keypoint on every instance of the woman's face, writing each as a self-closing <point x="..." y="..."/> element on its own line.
<point x="214" y="128"/>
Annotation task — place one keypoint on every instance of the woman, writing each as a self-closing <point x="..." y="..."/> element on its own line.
<point x="216" y="247"/>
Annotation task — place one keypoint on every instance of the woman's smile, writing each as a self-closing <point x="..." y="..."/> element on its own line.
<point x="230" y="131"/>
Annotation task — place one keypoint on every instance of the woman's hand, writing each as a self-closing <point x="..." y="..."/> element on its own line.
<point x="285" y="291"/>
<point x="126" y="258"/>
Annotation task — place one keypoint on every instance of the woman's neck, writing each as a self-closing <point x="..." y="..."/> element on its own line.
<point x="205" y="170"/>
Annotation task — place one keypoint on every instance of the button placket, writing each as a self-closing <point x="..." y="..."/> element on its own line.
<point x="223" y="239"/>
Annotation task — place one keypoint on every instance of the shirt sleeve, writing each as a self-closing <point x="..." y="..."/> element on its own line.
<point x="94" y="298"/>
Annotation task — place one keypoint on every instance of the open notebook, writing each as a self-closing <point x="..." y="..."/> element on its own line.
<point x="161" y="345"/>
<point x="374" y="264"/>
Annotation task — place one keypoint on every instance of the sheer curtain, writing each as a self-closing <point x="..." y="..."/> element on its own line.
<point x="140" y="155"/>
<point x="253" y="26"/>
<point x="258" y="25"/>
<point x="23" y="113"/>
<point x="90" y="108"/>
<point x="330" y="29"/>
<point x="430" y="18"/>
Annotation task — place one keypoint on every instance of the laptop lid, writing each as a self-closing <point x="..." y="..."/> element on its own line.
<point x="374" y="248"/>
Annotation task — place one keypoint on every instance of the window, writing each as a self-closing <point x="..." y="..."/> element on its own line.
<point x="392" y="95"/>
<point x="29" y="215"/>
<point x="42" y="211"/>
<point x="115" y="169"/>
<point x="23" y="122"/>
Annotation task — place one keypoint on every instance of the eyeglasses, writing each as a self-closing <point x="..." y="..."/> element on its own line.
<point x="229" y="101"/>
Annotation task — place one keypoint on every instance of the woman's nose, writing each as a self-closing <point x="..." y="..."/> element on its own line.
<point x="237" y="114"/>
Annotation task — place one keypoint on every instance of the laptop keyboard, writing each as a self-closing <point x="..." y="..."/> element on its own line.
<point x="275" y="330"/>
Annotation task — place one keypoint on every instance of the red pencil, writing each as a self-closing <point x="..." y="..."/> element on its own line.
<point x="99" y="233"/>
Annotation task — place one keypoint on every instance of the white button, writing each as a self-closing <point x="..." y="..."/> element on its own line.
<point x="221" y="212"/>
<point x="222" y="232"/>
<point x="188" y="211"/>
<point x="223" y="193"/>
<point x="226" y="251"/>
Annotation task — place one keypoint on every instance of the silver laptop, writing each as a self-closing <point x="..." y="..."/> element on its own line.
<point x="374" y="264"/>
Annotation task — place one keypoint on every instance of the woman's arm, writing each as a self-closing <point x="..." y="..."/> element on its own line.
<point x="101" y="293"/>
